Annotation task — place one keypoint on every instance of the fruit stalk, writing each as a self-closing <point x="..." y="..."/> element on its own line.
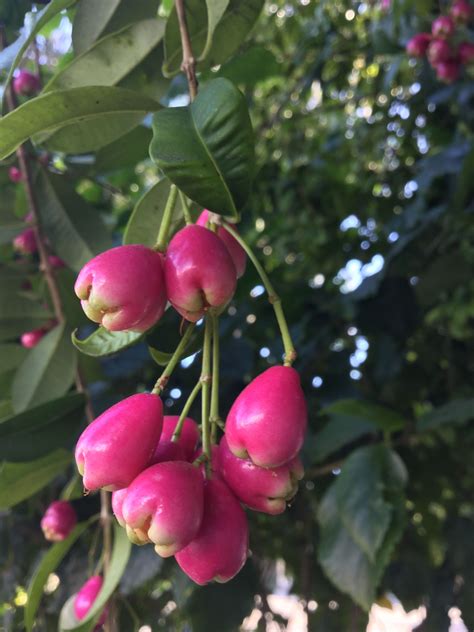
<point x="164" y="377"/>
<point x="188" y="65"/>
<point x="187" y="407"/>
<point x="206" y="385"/>
<point x="162" y="239"/>
<point x="214" y="415"/>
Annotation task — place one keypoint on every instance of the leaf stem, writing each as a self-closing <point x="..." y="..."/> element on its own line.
<point x="162" y="240"/>
<point x="184" y="203"/>
<point x="186" y="408"/>
<point x="188" y="65"/>
<point x="274" y="299"/>
<point x="205" y="395"/>
<point x="170" y="367"/>
<point x="214" y="415"/>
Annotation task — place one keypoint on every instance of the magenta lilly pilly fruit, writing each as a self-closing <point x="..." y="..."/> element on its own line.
<point x="58" y="521"/>
<point x="86" y="597"/>
<point x="267" y="421"/>
<point x="181" y="450"/>
<point x="418" y="44"/>
<point x="26" y="83"/>
<point x="199" y="272"/>
<point x="25" y="242"/>
<point x="260" y="488"/>
<point x="164" y="505"/>
<point x="118" y="445"/>
<point x="235" y="249"/>
<point x="30" y="339"/>
<point x="123" y="288"/>
<point x="220" y="548"/>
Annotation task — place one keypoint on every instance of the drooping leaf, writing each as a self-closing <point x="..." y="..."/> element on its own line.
<point x="207" y="148"/>
<point x="103" y="342"/>
<point x="47" y="372"/>
<point x="125" y="151"/>
<point x="215" y="11"/>
<point x="19" y="481"/>
<point x="145" y="78"/>
<point x="37" y="431"/>
<point x="383" y="417"/>
<point x="458" y="411"/>
<point x="254" y="65"/>
<point x="338" y="432"/>
<point x="63" y="107"/>
<point x="75" y="230"/>
<point x="48" y="564"/>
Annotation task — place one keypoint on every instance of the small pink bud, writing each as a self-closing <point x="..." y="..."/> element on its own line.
<point x="15" y="175"/>
<point x="86" y="597"/>
<point x="466" y="53"/>
<point x="164" y="505"/>
<point x="417" y="46"/>
<point x="118" y="445"/>
<point x="461" y="11"/>
<point x="31" y="338"/>
<point x="123" y="288"/>
<point x="181" y="450"/>
<point x="443" y="27"/>
<point x="56" y="262"/>
<point x="220" y="548"/>
<point x="260" y="488"/>
<point x="26" y="83"/>
<point x="439" y="50"/>
<point x="25" y="242"/>
<point x="268" y="419"/>
<point x="29" y="218"/>
<point x="235" y="249"/>
<point x="199" y="272"/>
<point x="448" y="71"/>
<point x="58" y="521"/>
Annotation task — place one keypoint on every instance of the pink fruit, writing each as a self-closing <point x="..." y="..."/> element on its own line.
<point x="461" y="11"/>
<point x="220" y="548"/>
<point x="58" y="521"/>
<point x="123" y="288"/>
<point x="25" y="242"/>
<point x="448" y="71"/>
<point x="15" y="175"/>
<point x="439" y="50"/>
<point x="417" y="46"/>
<point x="26" y="83"/>
<point x="86" y="597"/>
<point x="268" y="419"/>
<point x="56" y="262"/>
<point x="261" y="489"/>
<point x="199" y="272"/>
<point x="466" y="52"/>
<point x="235" y="249"/>
<point x="117" y="502"/>
<point x="164" y="505"/>
<point x="31" y="338"/>
<point x="443" y="27"/>
<point x="184" y="448"/>
<point x="118" y="445"/>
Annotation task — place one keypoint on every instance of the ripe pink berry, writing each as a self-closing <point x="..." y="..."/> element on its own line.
<point x="123" y="288"/>
<point x="260" y="488"/>
<point x="15" y="175"/>
<point x="56" y="262"/>
<point x="268" y="419"/>
<point x="58" y="521"/>
<point x="86" y="597"/>
<point x="235" y="249"/>
<point x="418" y="44"/>
<point x="25" y="242"/>
<point x="164" y="505"/>
<point x="220" y="548"/>
<point x="461" y="11"/>
<point x="443" y="27"/>
<point x="26" y="83"/>
<point x="199" y="272"/>
<point x="439" y="50"/>
<point x="118" y="445"/>
<point x="448" y="71"/>
<point x="31" y="338"/>
<point x="117" y="503"/>
<point x="466" y="53"/>
<point x="184" y="448"/>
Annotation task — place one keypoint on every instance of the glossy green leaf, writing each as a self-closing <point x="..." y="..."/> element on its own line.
<point x="458" y="411"/>
<point x="90" y="21"/>
<point x="19" y="481"/>
<point x="74" y="229"/>
<point x="37" y="431"/>
<point x="338" y="432"/>
<point x="47" y="372"/>
<point x="48" y="564"/>
<point x="207" y="148"/>
<point x="145" y="78"/>
<point x="56" y="109"/>
<point x="103" y="342"/>
<point x="383" y="417"/>
<point x="125" y="151"/>
<point x="111" y="58"/>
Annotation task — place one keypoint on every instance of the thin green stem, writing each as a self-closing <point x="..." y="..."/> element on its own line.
<point x="184" y="203"/>
<point x="185" y="411"/>
<point x="275" y="300"/>
<point x="162" y="239"/>
<point x="206" y="387"/>
<point x="170" y="367"/>
<point x="214" y="416"/>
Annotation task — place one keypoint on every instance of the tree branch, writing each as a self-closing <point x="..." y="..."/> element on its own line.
<point x="188" y="65"/>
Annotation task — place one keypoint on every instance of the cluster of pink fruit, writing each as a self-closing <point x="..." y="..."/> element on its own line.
<point x="444" y="47"/>
<point x="167" y="491"/>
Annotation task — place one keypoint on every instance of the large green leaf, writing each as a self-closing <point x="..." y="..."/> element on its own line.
<point x="207" y="148"/>
<point x="337" y="433"/>
<point x="37" y="431"/>
<point x="48" y="564"/>
<point x="360" y="521"/>
<point x="458" y="411"/>
<point x="381" y="416"/>
<point x="47" y="372"/>
<point x="215" y="11"/>
<point x="103" y="342"/>
<point x="19" y="481"/>
<point x="254" y="65"/>
<point x="63" y="107"/>
<point x="111" y="58"/>
<point x="145" y="78"/>
<point x="11" y="356"/>
<point x="74" y="229"/>
<point x="125" y="151"/>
